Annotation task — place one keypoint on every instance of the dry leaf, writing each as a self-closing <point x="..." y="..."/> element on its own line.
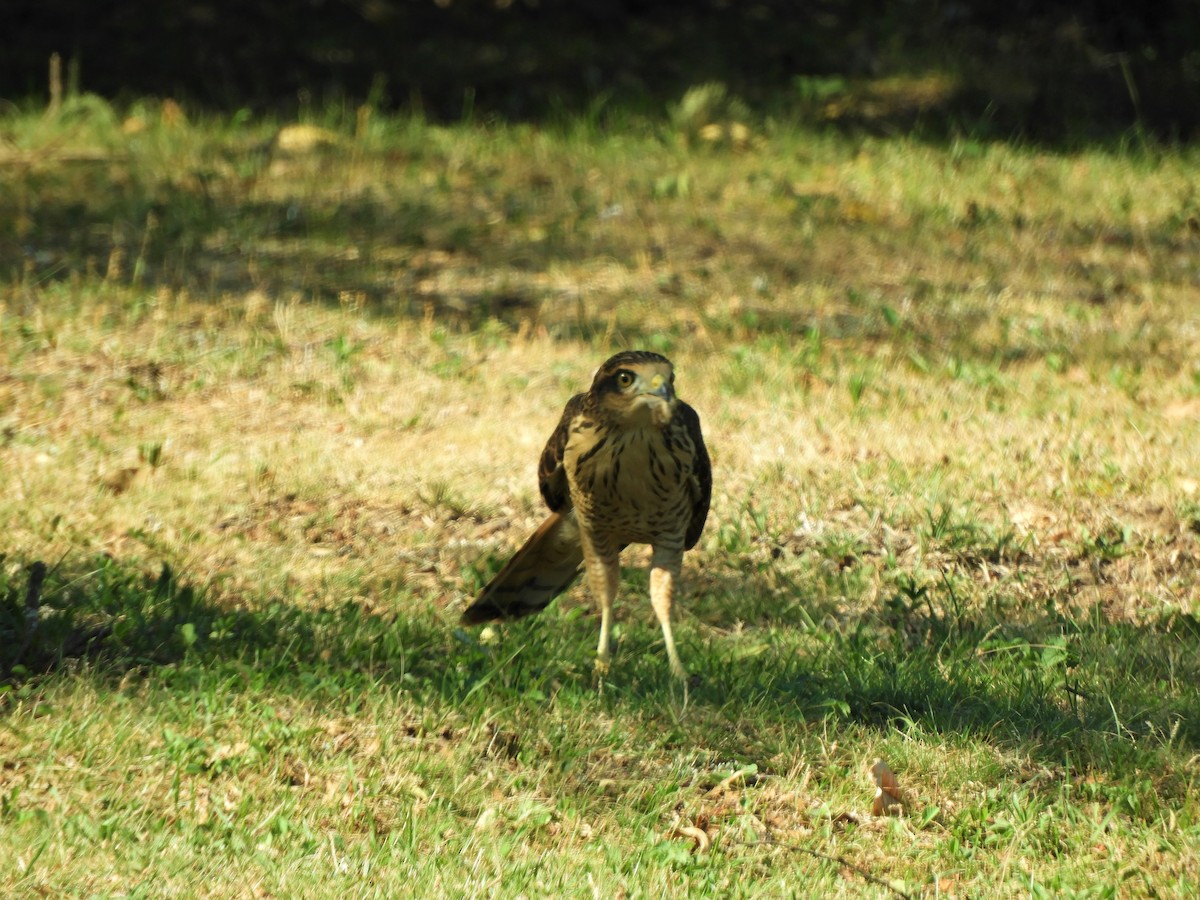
<point x="699" y="835"/>
<point x="703" y="841"/>
<point x="889" y="800"/>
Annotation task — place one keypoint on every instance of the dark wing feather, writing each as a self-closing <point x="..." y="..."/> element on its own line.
<point x="552" y="477"/>
<point x="703" y="471"/>
<point x="537" y="573"/>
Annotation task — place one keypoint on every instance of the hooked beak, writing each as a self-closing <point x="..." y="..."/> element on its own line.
<point x="661" y="387"/>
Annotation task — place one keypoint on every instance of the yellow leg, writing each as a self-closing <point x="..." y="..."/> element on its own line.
<point x="602" y="579"/>
<point x="664" y="571"/>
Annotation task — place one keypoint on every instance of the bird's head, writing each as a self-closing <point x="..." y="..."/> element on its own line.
<point x="636" y="388"/>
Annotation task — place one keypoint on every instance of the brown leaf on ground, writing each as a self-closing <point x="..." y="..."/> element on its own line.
<point x="693" y="832"/>
<point x="889" y="799"/>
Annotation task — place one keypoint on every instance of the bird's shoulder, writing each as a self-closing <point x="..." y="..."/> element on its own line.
<point x="552" y="477"/>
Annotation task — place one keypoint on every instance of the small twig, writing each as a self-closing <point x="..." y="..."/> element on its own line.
<point x="840" y="860"/>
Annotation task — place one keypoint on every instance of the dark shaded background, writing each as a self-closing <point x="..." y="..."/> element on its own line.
<point x="1039" y="69"/>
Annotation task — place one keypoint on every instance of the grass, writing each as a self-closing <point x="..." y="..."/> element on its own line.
<point x="269" y="412"/>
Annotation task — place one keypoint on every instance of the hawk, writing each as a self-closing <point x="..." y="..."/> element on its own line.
<point x="626" y="465"/>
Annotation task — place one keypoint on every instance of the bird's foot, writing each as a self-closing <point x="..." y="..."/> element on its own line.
<point x="679" y="693"/>
<point x="600" y="672"/>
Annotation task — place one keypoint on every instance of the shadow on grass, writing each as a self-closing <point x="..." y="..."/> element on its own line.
<point x="1060" y="682"/>
<point x="422" y="250"/>
<point x="1091" y="694"/>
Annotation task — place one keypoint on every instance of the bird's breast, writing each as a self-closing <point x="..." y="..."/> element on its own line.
<point x="633" y="486"/>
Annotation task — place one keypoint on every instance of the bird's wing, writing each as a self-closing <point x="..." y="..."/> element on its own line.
<point x="552" y="477"/>
<point x="702" y="473"/>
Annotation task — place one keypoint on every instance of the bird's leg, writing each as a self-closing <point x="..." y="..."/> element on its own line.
<point x="603" y="572"/>
<point x="664" y="572"/>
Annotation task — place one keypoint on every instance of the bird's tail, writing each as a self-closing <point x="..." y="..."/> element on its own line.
<point x="541" y="570"/>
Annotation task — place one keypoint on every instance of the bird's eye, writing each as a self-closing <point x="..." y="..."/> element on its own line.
<point x="624" y="379"/>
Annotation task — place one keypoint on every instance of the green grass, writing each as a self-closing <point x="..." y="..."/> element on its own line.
<point x="197" y="747"/>
<point x="269" y="416"/>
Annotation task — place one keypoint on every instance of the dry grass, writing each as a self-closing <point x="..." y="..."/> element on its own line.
<point x="954" y="407"/>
